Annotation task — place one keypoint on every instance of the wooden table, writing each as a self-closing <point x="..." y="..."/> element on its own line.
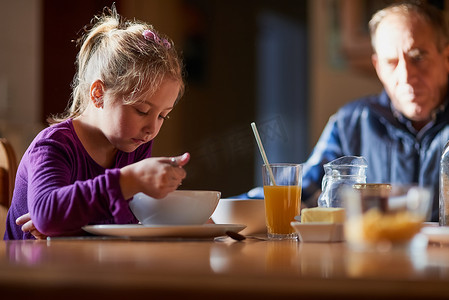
<point x="123" y="269"/>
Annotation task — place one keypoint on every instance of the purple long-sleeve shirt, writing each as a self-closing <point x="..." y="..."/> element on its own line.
<point x="64" y="189"/>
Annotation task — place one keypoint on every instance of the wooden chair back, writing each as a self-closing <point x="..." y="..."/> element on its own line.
<point x="8" y="169"/>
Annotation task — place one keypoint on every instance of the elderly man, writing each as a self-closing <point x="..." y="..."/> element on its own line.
<point x="402" y="131"/>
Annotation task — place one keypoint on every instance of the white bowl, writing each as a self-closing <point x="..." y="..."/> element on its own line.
<point x="249" y="212"/>
<point x="180" y="207"/>
<point x="319" y="232"/>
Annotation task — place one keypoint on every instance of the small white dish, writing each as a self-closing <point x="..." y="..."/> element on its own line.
<point x="319" y="232"/>
<point x="430" y="224"/>
<point x="163" y="231"/>
<point x="436" y="234"/>
<point x="250" y="212"/>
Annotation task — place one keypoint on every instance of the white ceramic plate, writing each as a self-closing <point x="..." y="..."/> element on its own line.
<point x="163" y="231"/>
<point x="436" y="234"/>
<point x="319" y="232"/>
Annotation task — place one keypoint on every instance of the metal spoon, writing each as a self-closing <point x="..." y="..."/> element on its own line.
<point x="235" y="236"/>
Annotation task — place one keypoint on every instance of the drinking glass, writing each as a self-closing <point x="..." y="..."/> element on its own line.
<point x="385" y="216"/>
<point x="282" y="190"/>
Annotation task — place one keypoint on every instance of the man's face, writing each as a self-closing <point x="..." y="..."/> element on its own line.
<point x="410" y="66"/>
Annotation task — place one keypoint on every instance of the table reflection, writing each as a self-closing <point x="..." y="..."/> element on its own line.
<point x="249" y="258"/>
<point x="274" y="257"/>
<point x="29" y="253"/>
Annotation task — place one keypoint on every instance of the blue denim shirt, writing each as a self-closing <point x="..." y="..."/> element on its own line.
<point x="395" y="151"/>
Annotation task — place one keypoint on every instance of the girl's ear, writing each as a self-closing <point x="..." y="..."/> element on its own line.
<point x="97" y="93"/>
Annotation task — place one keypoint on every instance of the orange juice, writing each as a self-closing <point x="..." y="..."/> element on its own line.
<point x="282" y="204"/>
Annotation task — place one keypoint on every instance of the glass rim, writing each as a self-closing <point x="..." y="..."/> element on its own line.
<point x="282" y="165"/>
<point x="391" y="186"/>
<point x="371" y="186"/>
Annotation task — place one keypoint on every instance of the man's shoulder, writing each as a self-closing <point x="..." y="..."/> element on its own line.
<point x="366" y="101"/>
<point x="372" y="104"/>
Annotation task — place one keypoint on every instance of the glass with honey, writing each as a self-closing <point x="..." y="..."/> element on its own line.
<point x="385" y="216"/>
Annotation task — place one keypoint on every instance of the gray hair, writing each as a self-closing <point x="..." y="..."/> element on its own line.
<point x="429" y="13"/>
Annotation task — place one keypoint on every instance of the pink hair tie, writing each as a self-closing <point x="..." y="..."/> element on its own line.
<point x="148" y="35"/>
<point x="153" y="37"/>
<point x="166" y="43"/>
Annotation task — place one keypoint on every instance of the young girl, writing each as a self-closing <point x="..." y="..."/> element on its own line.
<point x="87" y="166"/>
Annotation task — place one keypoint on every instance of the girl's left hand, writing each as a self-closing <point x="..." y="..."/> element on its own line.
<point x="28" y="226"/>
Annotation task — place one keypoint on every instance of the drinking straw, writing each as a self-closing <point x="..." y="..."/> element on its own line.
<point x="262" y="151"/>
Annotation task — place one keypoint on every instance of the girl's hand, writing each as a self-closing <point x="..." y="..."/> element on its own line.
<point x="155" y="177"/>
<point x="27" y="226"/>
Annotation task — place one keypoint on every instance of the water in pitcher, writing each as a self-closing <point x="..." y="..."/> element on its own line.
<point x="341" y="172"/>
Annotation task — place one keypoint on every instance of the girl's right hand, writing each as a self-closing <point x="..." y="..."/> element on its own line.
<point x="156" y="176"/>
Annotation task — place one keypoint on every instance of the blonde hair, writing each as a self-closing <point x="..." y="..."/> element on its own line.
<point x="429" y="13"/>
<point x="116" y="52"/>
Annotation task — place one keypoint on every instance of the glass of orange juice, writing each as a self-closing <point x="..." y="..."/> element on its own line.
<point x="282" y="190"/>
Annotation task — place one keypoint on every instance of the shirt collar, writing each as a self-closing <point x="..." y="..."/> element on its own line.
<point x="408" y="123"/>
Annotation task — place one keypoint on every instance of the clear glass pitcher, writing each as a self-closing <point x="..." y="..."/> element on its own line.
<point x="444" y="187"/>
<point x="343" y="171"/>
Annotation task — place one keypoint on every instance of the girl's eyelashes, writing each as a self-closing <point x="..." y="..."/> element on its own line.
<point x="165" y="118"/>
<point x="142" y="113"/>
